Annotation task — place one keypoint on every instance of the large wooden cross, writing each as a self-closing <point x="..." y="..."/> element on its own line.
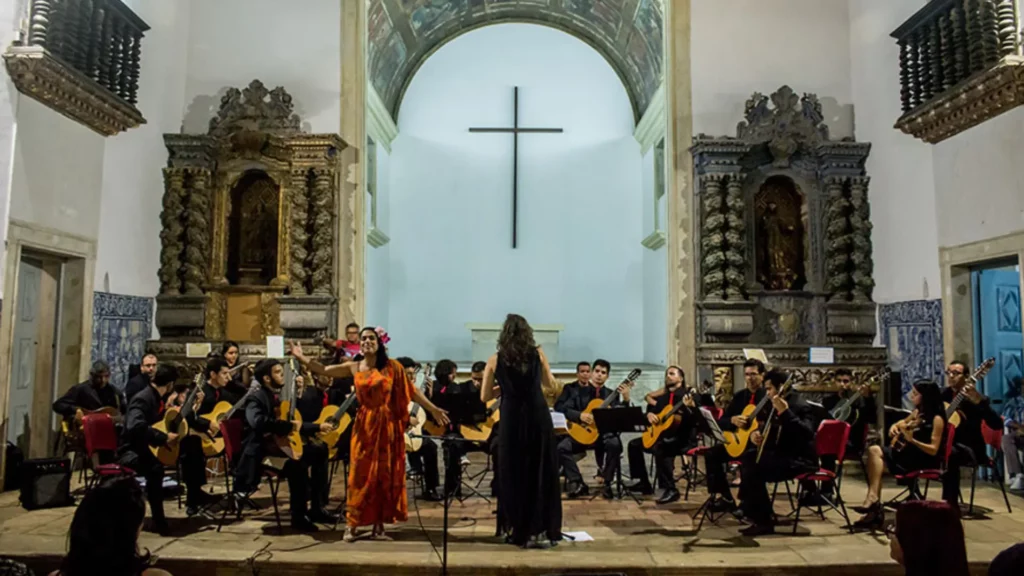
<point x="515" y="130"/>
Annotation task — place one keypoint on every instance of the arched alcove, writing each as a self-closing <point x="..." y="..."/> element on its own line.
<point x="581" y="201"/>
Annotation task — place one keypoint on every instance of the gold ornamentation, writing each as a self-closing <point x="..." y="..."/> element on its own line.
<point x="216" y="315"/>
<point x="39" y="75"/>
<point x="323" y="232"/>
<point x="170" y="236"/>
<point x="197" y="231"/>
<point x="983" y="97"/>
<point x="270" y="319"/>
<point x="298" y="268"/>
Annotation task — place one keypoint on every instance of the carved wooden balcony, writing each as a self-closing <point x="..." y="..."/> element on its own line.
<point x="960" y="65"/>
<point x="81" y="58"/>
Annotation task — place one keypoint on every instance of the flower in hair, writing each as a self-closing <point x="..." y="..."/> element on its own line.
<point x="382" y="334"/>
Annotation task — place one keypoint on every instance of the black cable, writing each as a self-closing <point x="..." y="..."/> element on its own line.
<point x="251" y="561"/>
<point x="416" y="505"/>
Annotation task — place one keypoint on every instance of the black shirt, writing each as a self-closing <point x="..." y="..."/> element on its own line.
<point x="866" y="410"/>
<point x="312" y="401"/>
<point x="136" y="384"/>
<point x="145" y="409"/>
<point x="741" y="400"/>
<point x="968" y="433"/>
<point x="574" y="399"/>
<point x="87" y="397"/>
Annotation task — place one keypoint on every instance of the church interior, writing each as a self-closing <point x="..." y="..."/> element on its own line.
<point x="829" y="186"/>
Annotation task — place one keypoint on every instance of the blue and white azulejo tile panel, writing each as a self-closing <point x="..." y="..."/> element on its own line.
<point x="912" y="333"/>
<point x="120" y="327"/>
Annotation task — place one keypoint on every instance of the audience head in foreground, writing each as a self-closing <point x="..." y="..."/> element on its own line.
<point x="928" y="539"/>
<point x="104" y="533"/>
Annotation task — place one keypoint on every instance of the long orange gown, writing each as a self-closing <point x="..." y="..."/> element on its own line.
<point x="376" y="479"/>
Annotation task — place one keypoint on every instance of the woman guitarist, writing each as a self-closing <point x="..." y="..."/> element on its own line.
<point x="918" y="442"/>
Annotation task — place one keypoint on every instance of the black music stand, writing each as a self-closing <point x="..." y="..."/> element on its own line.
<point x="447" y="441"/>
<point x="618" y="421"/>
<point x="709" y="427"/>
<point x="463" y="410"/>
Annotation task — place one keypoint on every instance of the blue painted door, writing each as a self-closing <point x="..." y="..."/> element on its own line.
<point x="998" y="325"/>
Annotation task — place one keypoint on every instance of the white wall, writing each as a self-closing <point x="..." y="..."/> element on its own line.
<point x="128" y="254"/>
<point x="742" y="46"/>
<point x="579" y="262"/>
<point x="378" y="269"/>
<point x="9" y="16"/>
<point x="902" y="190"/>
<point x="655" y="267"/>
<point x="979" y="181"/>
<point x="233" y="42"/>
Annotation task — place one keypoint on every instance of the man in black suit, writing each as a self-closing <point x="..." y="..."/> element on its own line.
<point x="93" y="394"/>
<point x="968" y="442"/>
<point x="788" y="452"/>
<point x="572" y="402"/>
<point x="865" y="410"/>
<point x="423" y="461"/>
<point x="261" y="420"/>
<point x="139" y="382"/>
<point x="146" y="409"/>
<point x="716" y="459"/>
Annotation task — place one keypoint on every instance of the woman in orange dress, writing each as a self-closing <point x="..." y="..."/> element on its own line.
<point x="376" y="481"/>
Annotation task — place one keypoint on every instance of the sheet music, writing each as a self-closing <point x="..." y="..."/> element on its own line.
<point x="559" y="422"/>
<point x="716" y="432"/>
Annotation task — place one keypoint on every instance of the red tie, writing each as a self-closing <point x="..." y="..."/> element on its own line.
<point x="160" y="410"/>
<point x="325" y="399"/>
<point x="216" y="395"/>
<point x="752" y="397"/>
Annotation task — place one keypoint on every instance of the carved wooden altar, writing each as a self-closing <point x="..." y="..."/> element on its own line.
<point x="784" y="242"/>
<point x="249" y="225"/>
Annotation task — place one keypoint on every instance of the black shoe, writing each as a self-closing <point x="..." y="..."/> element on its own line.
<point x="322" y="516"/>
<point x="431" y="496"/>
<point x="723" y="505"/>
<point x="755" y="530"/>
<point x="670" y="496"/>
<point x="873" y="521"/>
<point x="303" y="525"/>
<point x="867" y="509"/>
<point x="579" y="490"/>
<point x="159" y="526"/>
<point x="607" y="493"/>
<point x="640" y="487"/>
<point x="198" y="501"/>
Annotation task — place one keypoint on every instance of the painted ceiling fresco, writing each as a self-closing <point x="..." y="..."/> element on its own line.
<point x="402" y="33"/>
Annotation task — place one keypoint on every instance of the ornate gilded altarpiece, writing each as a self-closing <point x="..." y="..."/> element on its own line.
<point x="248" y="240"/>
<point x="784" y="242"/>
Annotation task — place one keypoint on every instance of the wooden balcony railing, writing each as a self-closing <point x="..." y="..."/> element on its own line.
<point x="959" y="65"/>
<point x="89" y="49"/>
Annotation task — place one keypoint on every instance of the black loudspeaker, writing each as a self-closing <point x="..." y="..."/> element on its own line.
<point x="46" y="483"/>
<point x="894" y="390"/>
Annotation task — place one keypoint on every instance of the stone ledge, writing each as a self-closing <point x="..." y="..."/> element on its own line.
<point x="44" y="77"/>
<point x="982" y="97"/>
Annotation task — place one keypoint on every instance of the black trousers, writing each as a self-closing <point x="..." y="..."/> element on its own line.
<point x="665" y="453"/>
<point x="455" y="452"/>
<point x="424" y="461"/>
<point x="715" y="461"/>
<point x="307" y="480"/>
<point x="609" y="443"/>
<point x="193" y="472"/>
<point x="773" y="467"/>
<point x="961" y="456"/>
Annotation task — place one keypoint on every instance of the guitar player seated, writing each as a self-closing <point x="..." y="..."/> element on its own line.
<point x="261" y="422"/>
<point x="788" y="451"/>
<point x="864" y="408"/>
<point x="672" y="443"/>
<point x="716" y="458"/>
<point x="572" y="402"/>
<point x="422" y="461"/>
<point x="93" y="394"/>
<point x="147" y="408"/>
<point x="445" y="385"/>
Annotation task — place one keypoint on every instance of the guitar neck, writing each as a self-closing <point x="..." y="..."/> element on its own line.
<point x="955" y="404"/>
<point x="342" y="409"/>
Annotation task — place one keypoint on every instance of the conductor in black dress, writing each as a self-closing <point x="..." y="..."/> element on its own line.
<point x="529" y="496"/>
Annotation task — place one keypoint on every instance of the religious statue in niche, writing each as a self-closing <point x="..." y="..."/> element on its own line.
<point x="780" y="235"/>
<point x="252" y="230"/>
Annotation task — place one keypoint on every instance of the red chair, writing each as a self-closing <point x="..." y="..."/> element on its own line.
<point x="927" y="474"/>
<point x="829" y="442"/>
<point x="691" y="473"/>
<point x="994" y="439"/>
<point x="231" y="432"/>
<point x="101" y="444"/>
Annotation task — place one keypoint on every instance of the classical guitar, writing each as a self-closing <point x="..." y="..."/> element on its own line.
<point x="912" y="423"/>
<point x="845" y="411"/>
<point x="213" y="444"/>
<point x="736" y="441"/>
<point x="783" y="392"/>
<point x="72" y="427"/>
<point x="427" y="386"/>
<point x="953" y="415"/>
<point x="482" y="431"/>
<point x="587" y="434"/>
<point x="175" y="420"/>
<point x="667" y="416"/>
<point x="414" y="444"/>
<point x="290" y="445"/>
<point x="340" y="418"/>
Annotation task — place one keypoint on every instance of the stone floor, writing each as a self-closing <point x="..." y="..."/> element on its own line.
<point x="628" y="539"/>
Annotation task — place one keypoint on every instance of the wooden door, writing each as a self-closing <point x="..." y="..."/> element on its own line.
<point x="998" y="328"/>
<point x="33" y="348"/>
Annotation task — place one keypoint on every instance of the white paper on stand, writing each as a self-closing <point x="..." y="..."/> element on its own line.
<point x="578" y="537"/>
<point x="275" y="346"/>
<point x="821" y="355"/>
<point x="559" y="422"/>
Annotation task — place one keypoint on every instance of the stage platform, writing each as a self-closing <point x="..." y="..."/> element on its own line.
<point x="628" y="539"/>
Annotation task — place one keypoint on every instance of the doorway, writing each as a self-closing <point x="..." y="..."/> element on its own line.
<point x="997" y="327"/>
<point x="33" y="366"/>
